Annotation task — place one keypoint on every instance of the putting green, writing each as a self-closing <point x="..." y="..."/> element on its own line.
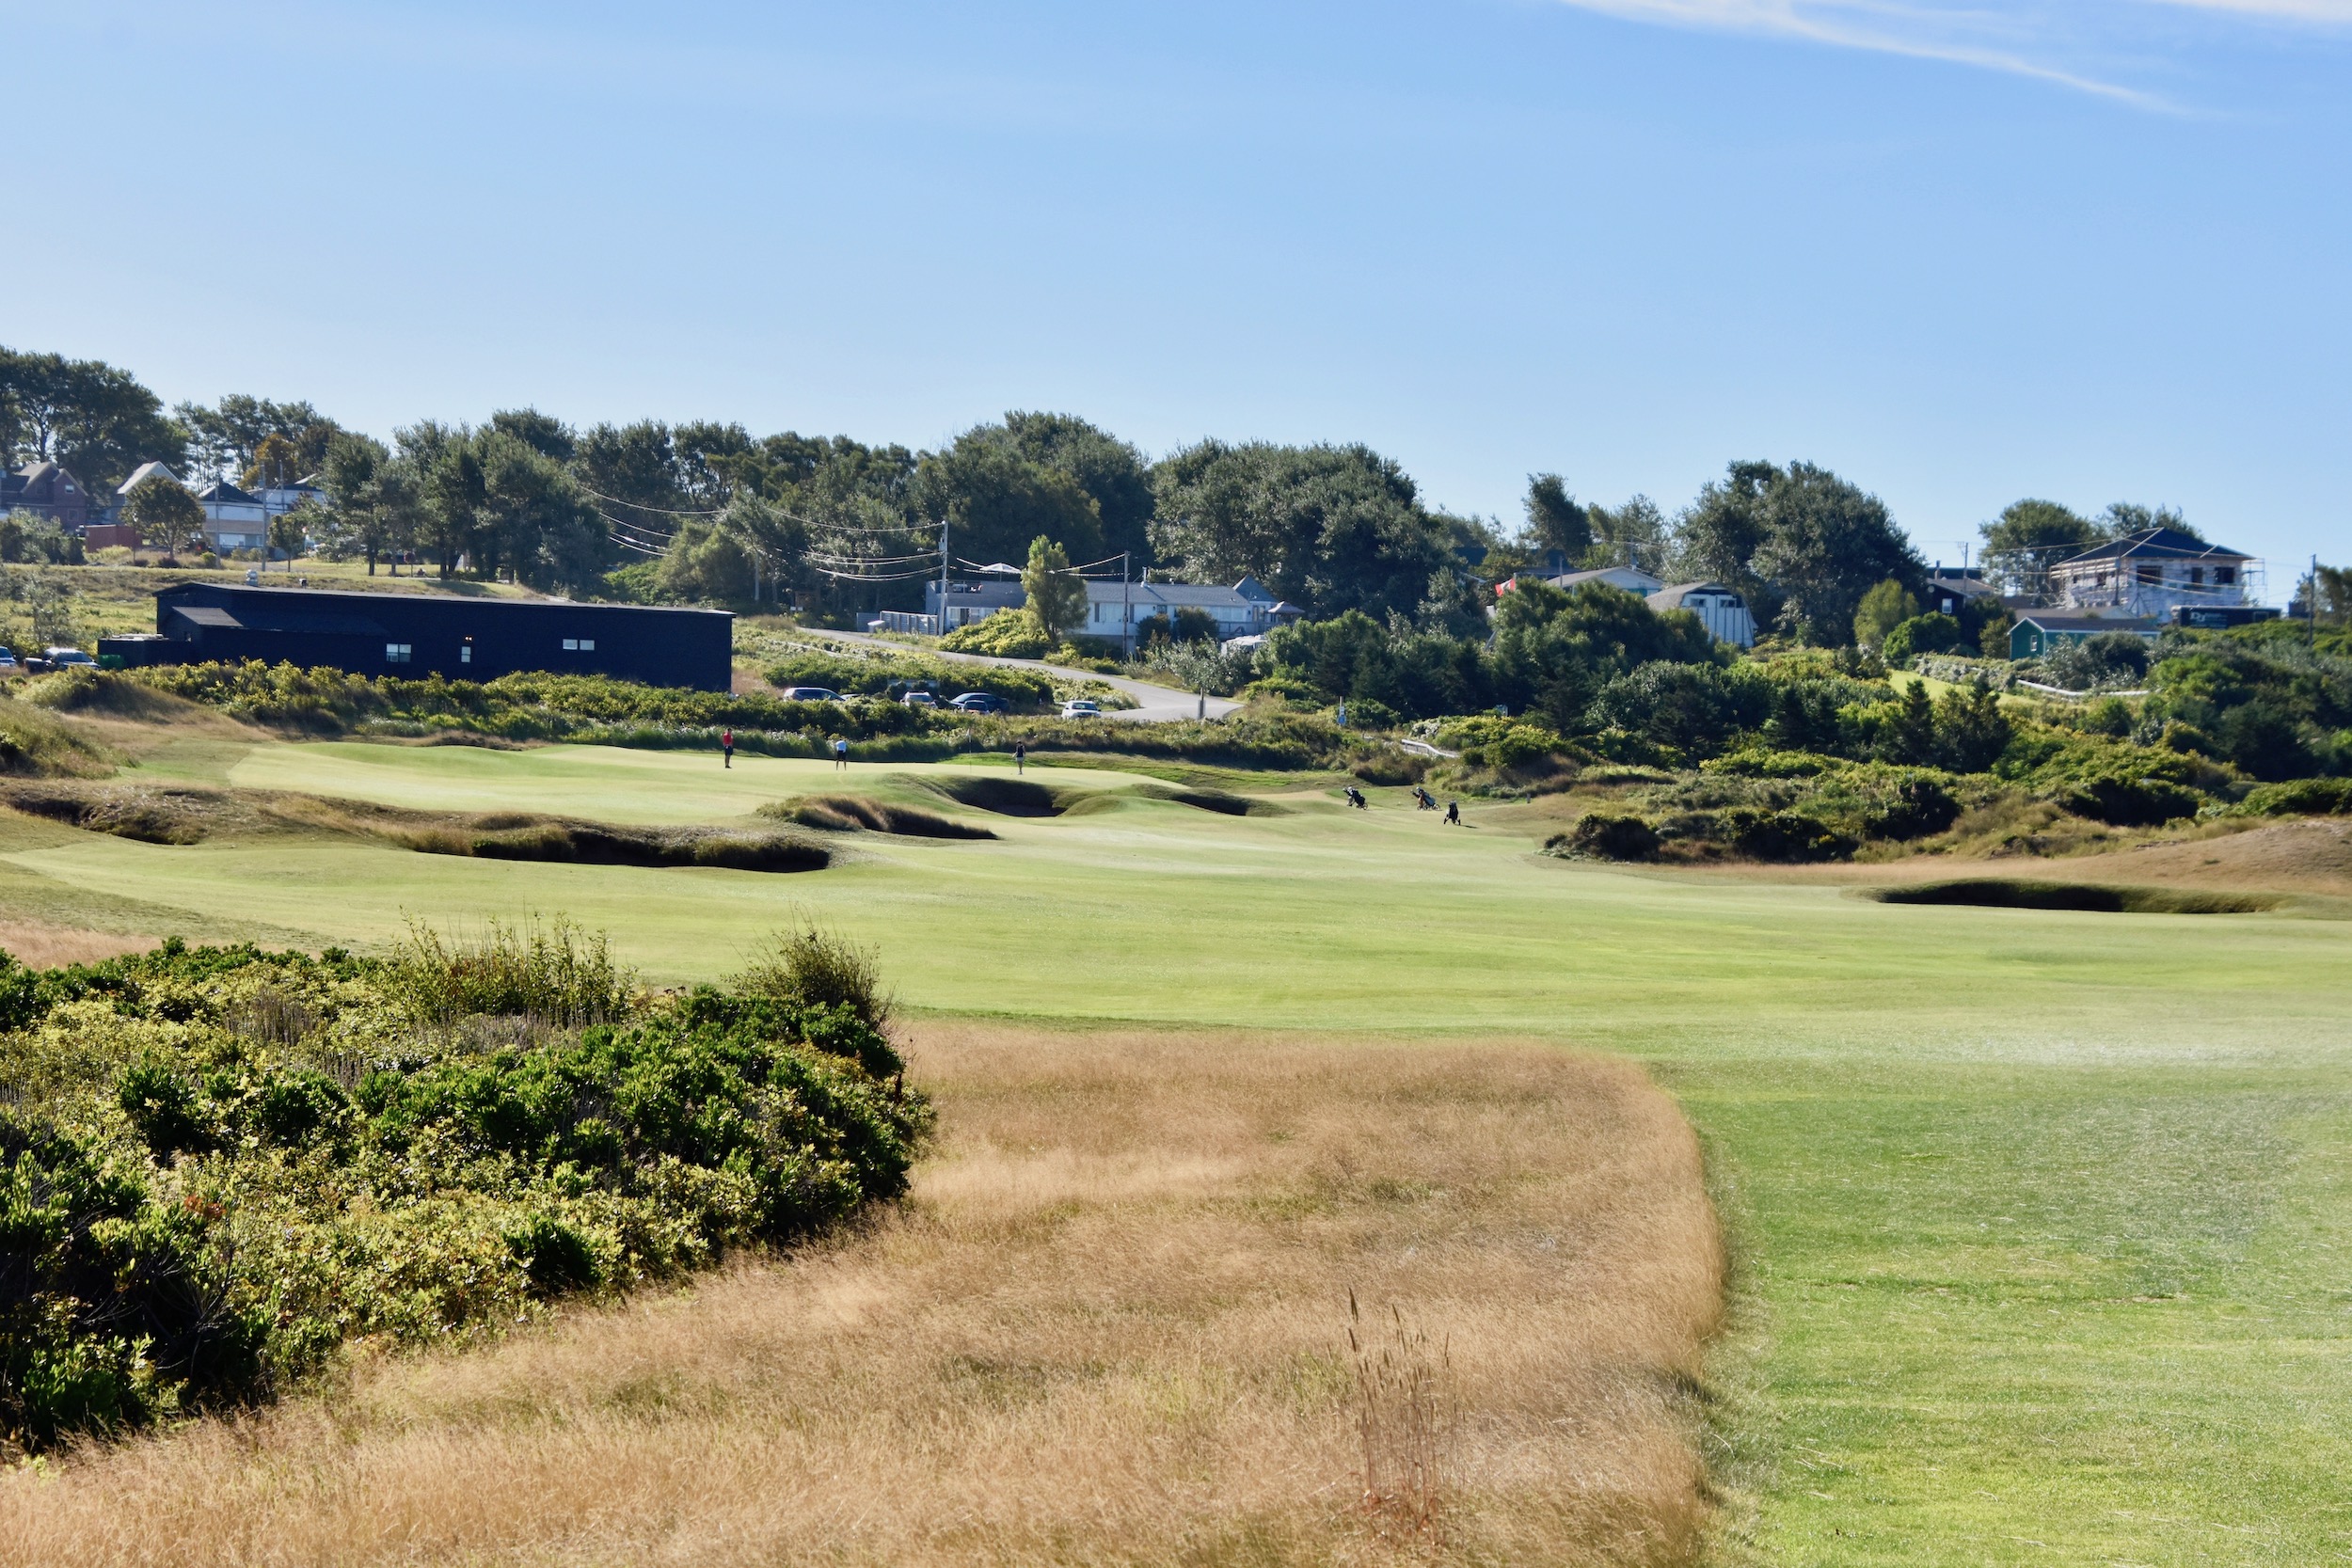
<point x="2042" y="1216"/>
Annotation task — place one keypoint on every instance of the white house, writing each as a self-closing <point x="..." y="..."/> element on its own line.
<point x="278" y="500"/>
<point x="139" y="476"/>
<point x="233" y="520"/>
<point x="1720" y="609"/>
<point x="2151" y="573"/>
<point x="1631" y="578"/>
<point x="1115" y="609"/>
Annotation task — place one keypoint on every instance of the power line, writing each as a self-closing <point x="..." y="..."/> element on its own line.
<point x="872" y="560"/>
<point x="641" y="506"/>
<point x="923" y="576"/>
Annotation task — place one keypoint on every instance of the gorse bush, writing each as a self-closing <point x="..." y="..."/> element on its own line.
<point x="553" y="974"/>
<point x="1007" y="634"/>
<point x="820" y="968"/>
<point x="218" y="1165"/>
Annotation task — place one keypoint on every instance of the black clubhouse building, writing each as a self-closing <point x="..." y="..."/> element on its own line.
<point x="416" y="635"/>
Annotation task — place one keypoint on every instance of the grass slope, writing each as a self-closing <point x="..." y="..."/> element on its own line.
<point x="2040" y="1213"/>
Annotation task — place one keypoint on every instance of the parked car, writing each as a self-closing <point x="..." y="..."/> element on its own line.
<point x="7" y="662"/>
<point x="920" y="699"/>
<point x="60" y="658"/>
<point x="1081" y="708"/>
<point x="981" y="701"/>
<point x="810" y="694"/>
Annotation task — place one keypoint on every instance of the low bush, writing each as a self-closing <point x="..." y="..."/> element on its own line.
<point x="1931" y="633"/>
<point x="1606" y="836"/>
<point x="220" y="1165"/>
<point x="2124" y="800"/>
<point x="1201" y="666"/>
<point x="2300" y="798"/>
<point x="1785" y="836"/>
<point x="1007" y="634"/>
<point x="811" y="966"/>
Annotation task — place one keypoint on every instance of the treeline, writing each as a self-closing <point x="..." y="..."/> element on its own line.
<point x="708" y="511"/>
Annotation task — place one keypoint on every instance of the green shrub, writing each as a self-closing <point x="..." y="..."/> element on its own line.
<point x="1607" y="836"/>
<point x="553" y="974"/>
<point x="1785" y="836"/>
<point x="1915" y="808"/>
<point x="109" y="1318"/>
<point x="2124" y="800"/>
<point x="226" y="1163"/>
<point x="1931" y="633"/>
<point x="2300" y="798"/>
<point x="819" y="969"/>
<point x="1007" y="634"/>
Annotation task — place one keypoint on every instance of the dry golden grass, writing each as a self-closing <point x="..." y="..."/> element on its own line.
<point x="1109" y="1328"/>
<point x="39" y="946"/>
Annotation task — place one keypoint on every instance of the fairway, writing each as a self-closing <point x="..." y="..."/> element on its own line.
<point x="2039" y="1217"/>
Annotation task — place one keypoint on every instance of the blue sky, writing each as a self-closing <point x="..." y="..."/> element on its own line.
<point x="1962" y="253"/>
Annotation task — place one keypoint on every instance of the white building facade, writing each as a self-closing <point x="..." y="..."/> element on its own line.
<point x="233" y="520"/>
<point x="1720" y="609"/>
<point x="1116" y="611"/>
<point x="2151" y="573"/>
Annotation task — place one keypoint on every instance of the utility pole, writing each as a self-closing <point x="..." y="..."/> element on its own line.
<point x="943" y="575"/>
<point x="2310" y="606"/>
<point x="1127" y="614"/>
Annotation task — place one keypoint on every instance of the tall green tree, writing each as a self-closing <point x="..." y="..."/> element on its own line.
<point x="1111" y="471"/>
<point x="2030" y="535"/>
<point x="1058" y="595"/>
<point x="227" y="437"/>
<point x="543" y="434"/>
<point x="994" y="498"/>
<point x="96" y="419"/>
<point x="1828" y="543"/>
<point x="162" y="513"/>
<point x="1636" y="535"/>
<point x="451" y="489"/>
<point x="1554" y="520"/>
<point x="372" y="498"/>
<point x="1328" y="527"/>
<point x="530" y="518"/>
<point x="1886" y="606"/>
<point x="1717" y="535"/>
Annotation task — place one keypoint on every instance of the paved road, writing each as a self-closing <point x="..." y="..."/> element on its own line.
<point x="1155" y="705"/>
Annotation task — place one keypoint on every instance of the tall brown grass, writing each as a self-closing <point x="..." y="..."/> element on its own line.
<point x="1110" y="1327"/>
<point x="38" y="945"/>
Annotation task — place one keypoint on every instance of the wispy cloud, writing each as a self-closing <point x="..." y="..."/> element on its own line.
<point x="2033" y="39"/>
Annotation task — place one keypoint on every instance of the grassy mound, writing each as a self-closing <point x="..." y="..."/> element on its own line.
<point x="38" y="744"/>
<point x="222" y="1163"/>
<point x="150" y="815"/>
<point x="172" y="815"/>
<point x="82" y="689"/>
<point x="844" y="814"/>
<point x="2009" y="893"/>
